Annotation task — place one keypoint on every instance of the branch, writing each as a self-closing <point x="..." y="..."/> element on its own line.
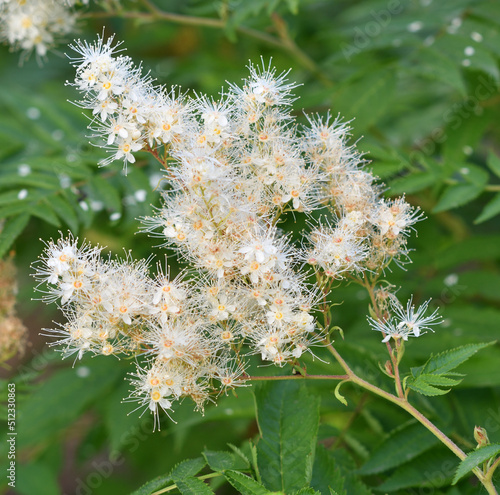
<point x="296" y="377"/>
<point x="404" y="404"/>
<point x="284" y="41"/>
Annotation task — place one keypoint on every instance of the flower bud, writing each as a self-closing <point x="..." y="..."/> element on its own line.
<point x="481" y="436"/>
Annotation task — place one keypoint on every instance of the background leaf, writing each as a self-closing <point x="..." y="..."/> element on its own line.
<point x="490" y="210"/>
<point x="402" y="445"/>
<point x="10" y="230"/>
<point x="457" y="195"/>
<point x="288" y="418"/>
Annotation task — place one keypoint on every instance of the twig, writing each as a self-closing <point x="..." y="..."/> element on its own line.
<point x="284" y="41"/>
<point x="296" y="377"/>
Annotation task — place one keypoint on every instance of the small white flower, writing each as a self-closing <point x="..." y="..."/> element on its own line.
<point x="413" y="320"/>
<point x="407" y="321"/>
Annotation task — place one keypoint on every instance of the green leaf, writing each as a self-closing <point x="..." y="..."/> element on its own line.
<point x="465" y="129"/>
<point x="338" y="395"/>
<point x="440" y="380"/>
<point x="426" y="384"/>
<point x="435" y="65"/>
<point x="423" y="388"/>
<point x="123" y="428"/>
<point x="221" y="461"/>
<point x="11" y="229"/>
<point x="65" y="211"/>
<point x="193" y="486"/>
<point x="104" y="191"/>
<point x="255" y="9"/>
<point x="188" y="468"/>
<point x="348" y="468"/>
<point x="457" y="195"/>
<point x="484" y="61"/>
<point x="8" y="197"/>
<point x="244" y="484"/>
<point x="43" y="211"/>
<point x="428" y="377"/>
<point x="59" y="400"/>
<point x="403" y="444"/>
<point x="446" y="361"/>
<point x="356" y="446"/>
<point x="474" y="174"/>
<point x="9" y="146"/>
<point x="307" y="491"/>
<point x="386" y="170"/>
<point x="293" y="5"/>
<point x="85" y="216"/>
<point x="432" y="469"/>
<point x="45" y="181"/>
<point x="479" y="247"/>
<point x="493" y="163"/>
<point x="367" y="98"/>
<point x="326" y="475"/>
<point x="183" y="476"/>
<point x="239" y="453"/>
<point x="412" y="183"/>
<point x="15" y="208"/>
<point x="255" y="464"/>
<point x="475" y="458"/>
<point x="54" y="166"/>
<point x="153" y="485"/>
<point x="288" y="419"/>
<point x="490" y="210"/>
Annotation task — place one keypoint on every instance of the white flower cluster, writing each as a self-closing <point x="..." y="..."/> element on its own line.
<point x="235" y="166"/>
<point x="114" y="307"/>
<point x="36" y="24"/>
<point x="365" y="231"/>
<point x="130" y="113"/>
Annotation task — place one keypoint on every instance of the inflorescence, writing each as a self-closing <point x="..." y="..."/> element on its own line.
<point x="235" y="166"/>
<point x="37" y="25"/>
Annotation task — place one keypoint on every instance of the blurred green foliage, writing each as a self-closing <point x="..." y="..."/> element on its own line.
<point x="421" y="81"/>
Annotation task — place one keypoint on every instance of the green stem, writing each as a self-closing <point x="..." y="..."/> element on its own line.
<point x="294" y="49"/>
<point x="185" y="20"/>
<point x="489" y="187"/>
<point x="394" y="355"/>
<point x="490" y="487"/>
<point x="284" y="41"/>
<point x="488" y="477"/>
<point x="297" y="377"/>
<point x="395" y="367"/>
<point x="399" y="401"/>
<point x="404" y="404"/>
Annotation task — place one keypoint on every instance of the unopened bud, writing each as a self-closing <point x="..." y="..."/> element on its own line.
<point x="388" y="368"/>
<point x="481" y="436"/>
